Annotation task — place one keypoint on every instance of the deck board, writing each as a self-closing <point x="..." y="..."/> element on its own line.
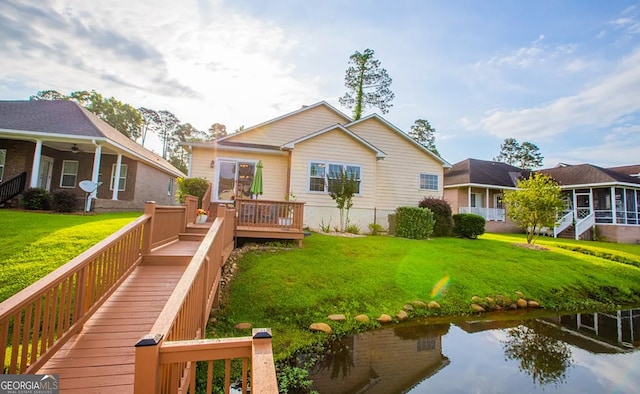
<point x="100" y="359"/>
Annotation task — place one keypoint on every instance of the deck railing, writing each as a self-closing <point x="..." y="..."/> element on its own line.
<point x="12" y="187"/>
<point x="563" y="223"/>
<point x="585" y="224"/>
<point x="166" y="357"/>
<point x="38" y="320"/>
<point x="191" y="202"/>
<point x="495" y="214"/>
<point x="270" y="214"/>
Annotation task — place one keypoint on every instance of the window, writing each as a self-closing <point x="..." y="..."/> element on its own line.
<point x="3" y="158"/>
<point x="123" y="177"/>
<point x="428" y="182"/>
<point x="476" y="200"/>
<point x="170" y="187"/>
<point x="323" y="177"/>
<point x="69" y="173"/>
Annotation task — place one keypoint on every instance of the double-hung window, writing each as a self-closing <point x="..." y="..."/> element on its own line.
<point x="3" y="158"/>
<point x="325" y="177"/>
<point x="428" y="181"/>
<point x="123" y="177"/>
<point x="69" y="173"/>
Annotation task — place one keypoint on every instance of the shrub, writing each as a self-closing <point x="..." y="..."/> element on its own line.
<point x="468" y="225"/>
<point x="375" y="228"/>
<point x="64" y="201"/>
<point x="352" y="229"/>
<point x="191" y="186"/>
<point x="414" y="222"/>
<point x="441" y="209"/>
<point x="36" y="199"/>
<point x="326" y="228"/>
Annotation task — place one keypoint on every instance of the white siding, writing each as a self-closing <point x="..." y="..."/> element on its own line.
<point x="291" y="128"/>
<point x="398" y="175"/>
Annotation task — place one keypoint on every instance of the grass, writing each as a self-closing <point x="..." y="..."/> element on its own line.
<point x="36" y="243"/>
<point x="289" y="290"/>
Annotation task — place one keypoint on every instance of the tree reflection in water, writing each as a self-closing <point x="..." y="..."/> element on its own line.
<point x="338" y="358"/>
<point x="541" y="356"/>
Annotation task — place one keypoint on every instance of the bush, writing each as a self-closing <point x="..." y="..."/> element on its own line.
<point x="441" y="209"/>
<point x="191" y="186"/>
<point x="468" y="225"/>
<point x="64" y="201"/>
<point x="36" y="199"/>
<point x="352" y="229"/>
<point x="414" y="222"/>
<point x="375" y="228"/>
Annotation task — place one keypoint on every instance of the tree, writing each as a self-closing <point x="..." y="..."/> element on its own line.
<point x="342" y="187"/>
<point x="367" y="83"/>
<point x="424" y="134"/>
<point x="121" y="116"/>
<point x="534" y="204"/>
<point x="166" y="131"/>
<point x="48" y="95"/>
<point x="150" y="122"/>
<point x="525" y="156"/>
<point x="217" y="130"/>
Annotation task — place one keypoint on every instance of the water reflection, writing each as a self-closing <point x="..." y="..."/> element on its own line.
<point x="553" y="353"/>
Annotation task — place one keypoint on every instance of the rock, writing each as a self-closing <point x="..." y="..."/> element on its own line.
<point x="384" y="318"/>
<point x="419" y="304"/>
<point x="362" y="319"/>
<point x="339" y="317"/>
<point x="519" y="294"/>
<point x="243" y="326"/>
<point x="407" y="307"/>
<point x="477" y="308"/>
<point x="511" y="307"/>
<point x="500" y="300"/>
<point x="434" y="305"/>
<point x="322" y="327"/>
<point x="521" y="303"/>
<point x="490" y="300"/>
<point x="533" y="304"/>
<point x="475" y="299"/>
<point x="402" y="316"/>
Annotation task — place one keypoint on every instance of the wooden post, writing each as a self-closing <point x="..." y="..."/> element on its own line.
<point x="146" y="378"/>
<point x="147" y="234"/>
<point x="263" y="369"/>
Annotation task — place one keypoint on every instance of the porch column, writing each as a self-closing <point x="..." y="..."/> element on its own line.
<point x="469" y="198"/>
<point x="613" y="205"/>
<point x="116" y="180"/>
<point x="35" y="169"/>
<point x="590" y="200"/>
<point x="487" y="216"/>
<point x="95" y="174"/>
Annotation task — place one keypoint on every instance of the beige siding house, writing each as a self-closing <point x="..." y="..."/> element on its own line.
<point x="301" y="150"/>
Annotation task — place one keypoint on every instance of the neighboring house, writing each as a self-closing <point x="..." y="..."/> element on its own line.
<point x="59" y="144"/>
<point x="606" y="198"/>
<point x="477" y="186"/>
<point x="303" y="150"/>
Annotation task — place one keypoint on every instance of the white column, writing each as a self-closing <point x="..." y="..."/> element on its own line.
<point x="35" y="169"/>
<point x="95" y="174"/>
<point x="116" y="180"/>
<point x="613" y="204"/>
<point x="469" y="199"/>
<point x="486" y="208"/>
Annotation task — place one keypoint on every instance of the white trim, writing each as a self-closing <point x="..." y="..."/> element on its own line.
<point x="603" y="184"/>
<point x="121" y="185"/>
<point x="326" y="175"/>
<point x="217" y="147"/>
<point x="291" y="144"/>
<point x="428" y="174"/>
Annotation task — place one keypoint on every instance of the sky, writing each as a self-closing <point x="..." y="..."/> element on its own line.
<point x="564" y="75"/>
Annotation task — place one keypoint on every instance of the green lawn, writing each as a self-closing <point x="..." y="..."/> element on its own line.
<point x="35" y="243"/>
<point x="289" y="290"/>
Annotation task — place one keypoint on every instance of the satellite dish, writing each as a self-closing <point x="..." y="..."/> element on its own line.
<point x="89" y="186"/>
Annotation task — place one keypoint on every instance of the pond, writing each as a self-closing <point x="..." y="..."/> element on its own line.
<point x="577" y="353"/>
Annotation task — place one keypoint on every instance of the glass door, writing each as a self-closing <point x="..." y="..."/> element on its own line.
<point x="44" y="174"/>
<point x="234" y="179"/>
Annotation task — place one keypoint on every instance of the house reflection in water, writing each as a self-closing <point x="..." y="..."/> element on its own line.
<point x="389" y="360"/>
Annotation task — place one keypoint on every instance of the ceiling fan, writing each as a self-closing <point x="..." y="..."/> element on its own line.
<point x="75" y="149"/>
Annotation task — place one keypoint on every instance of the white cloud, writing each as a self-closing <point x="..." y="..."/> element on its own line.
<point x="532" y="55"/>
<point x="595" y="106"/>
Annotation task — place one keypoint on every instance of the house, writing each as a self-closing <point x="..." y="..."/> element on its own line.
<point x="55" y="145"/>
<point x="302" y="152"/>
<point x="608" y="199"/>
<point x="477" y="186"/>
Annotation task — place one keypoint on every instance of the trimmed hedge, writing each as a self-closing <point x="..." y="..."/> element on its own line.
<point x="441" y="209"/>
<point x="468" y="225"/>
<point x="414" y="222"/>
<point x="36" y="199"/>
<point x="64" y="201"/>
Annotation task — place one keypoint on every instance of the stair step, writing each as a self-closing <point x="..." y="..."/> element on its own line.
<point x="191" y="236"/>
<point x="161" y="260"/>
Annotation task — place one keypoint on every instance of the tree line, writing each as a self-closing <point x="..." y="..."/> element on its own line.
<point x="137" y="123"/>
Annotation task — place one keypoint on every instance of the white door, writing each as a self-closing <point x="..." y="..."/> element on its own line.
<point x="44" y="174"/>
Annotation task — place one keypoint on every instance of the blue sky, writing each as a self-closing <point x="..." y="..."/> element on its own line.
<point x="564" y="75"/>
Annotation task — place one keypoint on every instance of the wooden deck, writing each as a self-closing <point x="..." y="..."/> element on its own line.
<point x="100" y="359"/>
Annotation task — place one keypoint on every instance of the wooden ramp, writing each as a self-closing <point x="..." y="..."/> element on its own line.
<point x="100" y="359"/>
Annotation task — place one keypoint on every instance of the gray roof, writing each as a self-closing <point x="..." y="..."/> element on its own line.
<point x="633" y="169"/>
<point x="586" y="174"/>
<point x="483" y="172"/>
<point x="70" y="119"/>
